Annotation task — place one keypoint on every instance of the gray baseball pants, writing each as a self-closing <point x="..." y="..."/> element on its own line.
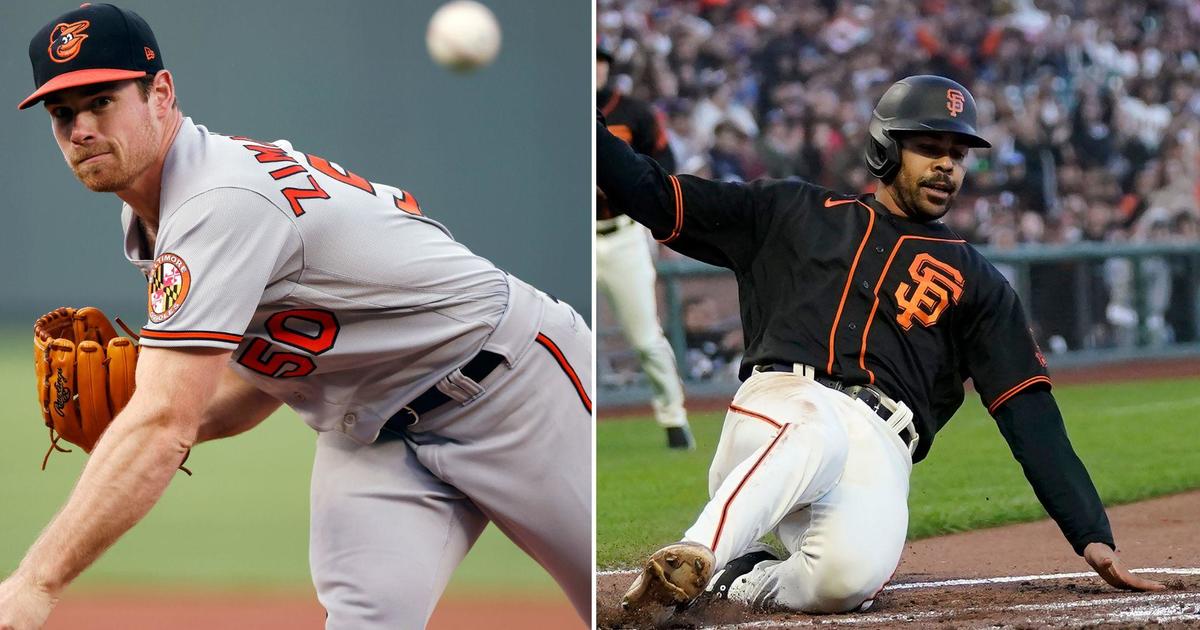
<point x="391" y="520"/>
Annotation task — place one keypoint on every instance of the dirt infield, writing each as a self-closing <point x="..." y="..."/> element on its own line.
<point x="1021" y="576"/>
<point x="140" y="611"/>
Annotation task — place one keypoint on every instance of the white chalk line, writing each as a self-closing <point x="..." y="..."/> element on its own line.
<point x="1188" y="611"/>
<point x="1029" y="578"/>
<point x="991" y="580"/>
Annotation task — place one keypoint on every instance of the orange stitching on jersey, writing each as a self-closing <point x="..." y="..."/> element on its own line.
<point x="678" y="211"/>
<point x="191" y="335"/>
<point x="755" y="415"/>
<point x="862" y="353"/>
<point x="729" y="501"/>
<point x="566" y="367"/>
<point x="846" y="290"/>
<point x="1015" y="390"/>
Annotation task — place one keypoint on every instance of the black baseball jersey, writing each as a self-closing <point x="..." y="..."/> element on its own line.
<point x="638" y="125"/>
<point x="867" y="297"/>
<point x="840" y="283"/>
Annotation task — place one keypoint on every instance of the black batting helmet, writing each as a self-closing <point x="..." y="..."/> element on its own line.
<point x="924" y="102"/>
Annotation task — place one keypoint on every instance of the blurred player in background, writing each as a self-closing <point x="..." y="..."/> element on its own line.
<point x="624" y="264"/>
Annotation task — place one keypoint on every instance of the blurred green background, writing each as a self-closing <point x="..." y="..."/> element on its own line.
<point x="1137" y="439"/>
<point x="502" y="156"/>
<point x="241" y="522"/>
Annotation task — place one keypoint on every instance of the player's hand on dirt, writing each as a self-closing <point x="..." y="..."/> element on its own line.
<point x="1106" y="563"/>
<point x="23" y="605"/>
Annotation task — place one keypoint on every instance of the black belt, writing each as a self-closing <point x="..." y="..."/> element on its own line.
<point x="476" y="369"/>
<point x="827" y="381"/>
<point x="866" y="394"/>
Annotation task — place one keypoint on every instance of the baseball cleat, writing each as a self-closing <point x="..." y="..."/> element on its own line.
<point x="680" y="438"/>
<point x="673" y="577"/>
<point x="723" y="582"/>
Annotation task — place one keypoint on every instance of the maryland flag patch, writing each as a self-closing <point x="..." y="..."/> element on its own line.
<point x="168" y="287"/>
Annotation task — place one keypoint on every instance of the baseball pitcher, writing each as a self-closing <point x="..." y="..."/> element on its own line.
<point x="442" y="388"/>
<point x="863" y="316"/>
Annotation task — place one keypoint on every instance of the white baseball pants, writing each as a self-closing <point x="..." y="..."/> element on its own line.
<point x="392" y="520"/>
<point x="823" y="472"/>
<point x="625" y="273"/>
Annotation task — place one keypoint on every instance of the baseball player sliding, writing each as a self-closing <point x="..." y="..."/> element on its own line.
<point x="442" y="388"/>
<point x="863" y="316"/>
<point x="624" y="265"/>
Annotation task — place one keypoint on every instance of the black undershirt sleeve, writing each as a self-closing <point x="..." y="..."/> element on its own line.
<point x="1033" y="427"/>
<point x="634" y="184"/>
<point x="719" y="223"/>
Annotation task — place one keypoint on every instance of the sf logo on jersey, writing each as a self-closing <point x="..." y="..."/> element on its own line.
<point x="936" y="286"/>
<point x="66" y="40"/>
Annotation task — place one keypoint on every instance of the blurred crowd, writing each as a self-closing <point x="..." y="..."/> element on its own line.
<point x="1092" y="107"/>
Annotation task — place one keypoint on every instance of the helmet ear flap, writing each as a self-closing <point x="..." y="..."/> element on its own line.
<point x="882" y="153"/>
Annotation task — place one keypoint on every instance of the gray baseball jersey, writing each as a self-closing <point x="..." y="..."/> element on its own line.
<point x="339" y="297"/>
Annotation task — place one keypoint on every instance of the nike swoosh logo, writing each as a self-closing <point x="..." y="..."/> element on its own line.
<point x="829" y="203"/>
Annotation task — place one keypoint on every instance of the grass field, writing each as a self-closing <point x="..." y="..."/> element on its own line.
<point x="1137" y="439"/>
<point x="241" y="521"/>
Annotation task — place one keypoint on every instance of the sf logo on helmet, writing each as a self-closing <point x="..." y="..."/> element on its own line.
<point x="954" y="102"/>
<point x="66" y="40"/>
<point x="937" y="284"/>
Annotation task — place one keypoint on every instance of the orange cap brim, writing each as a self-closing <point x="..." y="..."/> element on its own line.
<point x="78" y="78"/>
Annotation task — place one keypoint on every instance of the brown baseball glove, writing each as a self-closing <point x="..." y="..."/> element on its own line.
<point x="85" y="374"/>
<point x="673" y="576"/>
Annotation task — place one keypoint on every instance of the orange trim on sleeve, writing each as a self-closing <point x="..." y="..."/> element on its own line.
<point x="549" y="345"/>
<point x="862" y="352"/>
<point x="191" y="335"/>
<point x="849" y="279"/>
<point x="678" y="211"/>
<point x="755" y="415"/>
<point x="1016" y="390"/>
<point x="729" y="501"/>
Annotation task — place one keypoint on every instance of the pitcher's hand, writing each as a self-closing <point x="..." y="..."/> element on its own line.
<point x="24" y="605"/>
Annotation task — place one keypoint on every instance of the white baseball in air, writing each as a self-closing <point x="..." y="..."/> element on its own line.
<point x="463" y="35"/>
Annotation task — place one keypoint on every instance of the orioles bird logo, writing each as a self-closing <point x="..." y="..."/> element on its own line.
<point x="954" y="102"/>
<point x="66" y="40"/>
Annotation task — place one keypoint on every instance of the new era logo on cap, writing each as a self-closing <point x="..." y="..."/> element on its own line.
<point x="96" y="43"/>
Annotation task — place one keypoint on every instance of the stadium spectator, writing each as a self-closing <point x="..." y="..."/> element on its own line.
<point x="1092" y="106"/>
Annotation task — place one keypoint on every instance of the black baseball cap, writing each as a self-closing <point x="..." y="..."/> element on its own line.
<point x="95" y="43"/>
